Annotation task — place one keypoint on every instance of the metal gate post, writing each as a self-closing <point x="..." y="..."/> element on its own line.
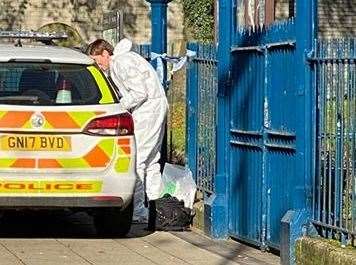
<point x="159" y="46"/>
<point x="216" y="206"/>
<point x="159" y="27"/>
<point x="296" y="221"/>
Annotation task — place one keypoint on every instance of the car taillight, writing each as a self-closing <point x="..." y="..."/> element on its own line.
<point x="116" y="125"/>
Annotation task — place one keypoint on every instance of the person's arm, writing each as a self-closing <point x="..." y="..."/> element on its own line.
<point x="133" y="78"/>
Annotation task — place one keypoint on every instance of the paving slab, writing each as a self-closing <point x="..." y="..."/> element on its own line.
<point x="41" y="251"/>
<point x="55" y="239"/>
<point x="151" y="252"/>
<point x="230" y="249"/>
<point x="103" y="251"/>
<point x="7" y="257"/>
<point x="187" y="252"/>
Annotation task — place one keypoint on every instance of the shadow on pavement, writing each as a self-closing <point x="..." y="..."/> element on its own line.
<point x="231" y="250"/>
<point x="55" y="224"/>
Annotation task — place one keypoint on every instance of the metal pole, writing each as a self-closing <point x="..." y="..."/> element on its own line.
<point x="159" y="45"/>
<point x="159" y="26"/>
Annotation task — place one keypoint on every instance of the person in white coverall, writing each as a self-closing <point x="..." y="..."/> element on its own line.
<point x="143" y="95"/>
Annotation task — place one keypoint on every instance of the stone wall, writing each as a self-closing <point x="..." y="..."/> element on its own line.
<point x="282" y="9"/>
<point x="86" y="16"/>
<point x="318" y="251"/>
<point x="337" y="18"/>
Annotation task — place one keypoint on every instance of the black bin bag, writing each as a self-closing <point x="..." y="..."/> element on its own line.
<point x="169" y="214"/>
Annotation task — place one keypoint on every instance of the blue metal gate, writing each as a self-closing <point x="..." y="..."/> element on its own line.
<point x="334" y="211"/>
<point x="265" y="106"/>
<point x="201" y="112"/>
<point x="263" y="132"/>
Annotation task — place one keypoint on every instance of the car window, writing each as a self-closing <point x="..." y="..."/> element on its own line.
<point x="50" y="84"/>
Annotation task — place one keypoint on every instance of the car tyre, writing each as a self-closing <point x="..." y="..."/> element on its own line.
<point x="114" y="222"/>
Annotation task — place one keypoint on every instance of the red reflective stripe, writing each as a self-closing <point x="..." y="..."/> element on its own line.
<point x="123" y="141"/>
<point x="96" y="157"/>
<point x="126" y="149"/>
<point x="48" y="163"/>
<point x="24" y="163"/>
<point x="15" y="119"/>
<point x="60" y="120"/>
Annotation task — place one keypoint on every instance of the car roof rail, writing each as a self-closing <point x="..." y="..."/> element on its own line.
<point x="44" y="37"/>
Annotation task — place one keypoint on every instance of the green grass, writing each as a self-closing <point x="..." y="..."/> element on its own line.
<point x="176" y="132"/>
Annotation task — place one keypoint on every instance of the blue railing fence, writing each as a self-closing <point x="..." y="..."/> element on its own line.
<point x="334" y="202"/>
<point x="201" y="115"/>
<point x="143" y="49"/>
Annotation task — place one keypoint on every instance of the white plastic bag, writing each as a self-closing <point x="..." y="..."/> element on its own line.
<point x="178" y="182"/>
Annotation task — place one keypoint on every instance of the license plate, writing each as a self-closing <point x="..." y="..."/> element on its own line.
<point x="35" y="143"/>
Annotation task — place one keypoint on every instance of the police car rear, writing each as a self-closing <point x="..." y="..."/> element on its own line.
<point x="63" y="140"/>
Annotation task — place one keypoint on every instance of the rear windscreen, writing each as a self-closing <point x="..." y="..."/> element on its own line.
<point x="48" y="84"/>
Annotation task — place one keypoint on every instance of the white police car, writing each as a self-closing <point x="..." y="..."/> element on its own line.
<point x="63" y="140"/>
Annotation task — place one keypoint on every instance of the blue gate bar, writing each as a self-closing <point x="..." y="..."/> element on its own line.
<point x="191" y="113"/>
<point x="334" y="190"/>
<point x="201" y="112"/>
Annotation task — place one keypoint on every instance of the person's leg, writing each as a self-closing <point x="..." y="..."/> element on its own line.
<point x="147" y="157"/>
<point x="140" y="213"/>
<point x="153" y="175"/>
<point x="154" y="180"/>
<point x="149" y="131"/>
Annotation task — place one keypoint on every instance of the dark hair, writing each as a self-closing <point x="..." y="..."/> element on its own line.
<point x="98" y="46"/>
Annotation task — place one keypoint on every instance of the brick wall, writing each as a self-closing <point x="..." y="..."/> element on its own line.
<point x="86" y="16"/>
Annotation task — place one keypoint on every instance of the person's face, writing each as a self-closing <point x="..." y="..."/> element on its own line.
<point x="102" y="60"/>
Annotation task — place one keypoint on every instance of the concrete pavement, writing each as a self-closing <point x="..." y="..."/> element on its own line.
<point x="67" y="239"/>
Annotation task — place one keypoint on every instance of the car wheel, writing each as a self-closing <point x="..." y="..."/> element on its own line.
<point x="113" y="222"/>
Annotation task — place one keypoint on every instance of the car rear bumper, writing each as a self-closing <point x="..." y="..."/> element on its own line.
<point x="61" y="202"/>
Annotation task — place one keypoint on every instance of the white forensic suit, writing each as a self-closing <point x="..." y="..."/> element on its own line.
<point x="143" y="95"/>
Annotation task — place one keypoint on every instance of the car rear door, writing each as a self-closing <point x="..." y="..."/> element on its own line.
<point x="48" y="134"/>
